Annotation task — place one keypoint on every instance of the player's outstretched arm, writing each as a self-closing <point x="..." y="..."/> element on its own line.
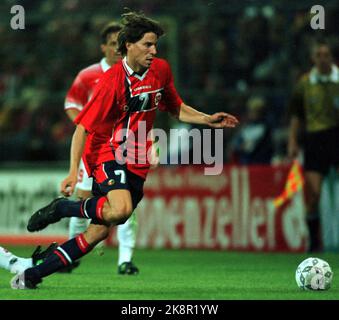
<point x="77" y="147"/>
<point x="216" y="120"/>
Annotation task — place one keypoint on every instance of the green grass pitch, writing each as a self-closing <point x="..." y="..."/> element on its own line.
<point x="178" y="275"/>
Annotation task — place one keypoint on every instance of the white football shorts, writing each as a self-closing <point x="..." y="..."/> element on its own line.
<point x="84" y="181"/>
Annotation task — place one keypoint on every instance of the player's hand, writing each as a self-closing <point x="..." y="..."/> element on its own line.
<point x="222" y="120"/>
<point x="68" y="185"/>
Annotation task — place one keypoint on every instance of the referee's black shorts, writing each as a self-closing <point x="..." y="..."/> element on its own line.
<point x="321" y="150"/>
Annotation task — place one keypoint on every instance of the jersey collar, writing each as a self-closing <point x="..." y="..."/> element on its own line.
<point x="315" y="77"/>
<point x="130" y="71"/>
<point x="104" y="65"/>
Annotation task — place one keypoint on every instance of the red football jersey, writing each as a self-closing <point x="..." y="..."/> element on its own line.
<point x="83" y="85"/>
<point x="125" y="103"/>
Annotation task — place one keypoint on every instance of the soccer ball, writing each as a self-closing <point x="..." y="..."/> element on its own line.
<point x="314" y="274"/>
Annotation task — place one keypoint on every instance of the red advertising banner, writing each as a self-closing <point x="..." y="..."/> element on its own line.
<point x="183" y="208"/>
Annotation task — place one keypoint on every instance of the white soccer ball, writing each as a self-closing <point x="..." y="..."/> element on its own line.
<point x="314" y="274"/>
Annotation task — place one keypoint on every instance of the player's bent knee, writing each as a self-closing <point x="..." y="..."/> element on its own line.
<point x="122" y="214"/>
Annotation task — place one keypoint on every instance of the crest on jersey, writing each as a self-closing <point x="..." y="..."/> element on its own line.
<point x="111" y="182"/>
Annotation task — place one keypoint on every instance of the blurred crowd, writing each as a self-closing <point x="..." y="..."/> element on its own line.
<point x="239" y="57"/>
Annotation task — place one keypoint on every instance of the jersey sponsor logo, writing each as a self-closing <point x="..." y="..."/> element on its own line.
<point x="149" y="92"/>
<point x="142" y="87"/>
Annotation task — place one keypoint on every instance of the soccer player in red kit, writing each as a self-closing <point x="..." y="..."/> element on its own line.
<point x="77" y="96"/>
<point x="127" y="95"/>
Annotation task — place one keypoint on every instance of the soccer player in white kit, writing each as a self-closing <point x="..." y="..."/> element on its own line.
<point x="77" y="97"/>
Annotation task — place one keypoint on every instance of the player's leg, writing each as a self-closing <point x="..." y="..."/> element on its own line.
<point x="16" y="264"/>
<point x="98" y="208"/>
<point x="13" y="263"/>
<point x="94" y="208"/>
<point x="79" y="225"/>
<point x="112" y="209"/>
<point x="76" y="227"/>
<point x="318" y="149"/>
<point x="63" y="256"/>
<point x="83" y="191"/>
<point x="118" y="205"/>
<point x="313" y="183"/>
<point x="126" y="234"/>
<point x="127" y="238"/>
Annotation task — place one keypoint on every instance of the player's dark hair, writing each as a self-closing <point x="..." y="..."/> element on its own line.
<point x="135" y="25"/>
<point x="319" y="43"/>
<point x="111" y="27"/>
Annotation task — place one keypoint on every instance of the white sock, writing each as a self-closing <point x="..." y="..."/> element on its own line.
<point x="125" y="254"/>
<point x="126" y="234"/>
<point x="5" y="258"/>
<point x="77" y="226"/>
<point x="20" y="265"/>
<point x="12" y="263"/>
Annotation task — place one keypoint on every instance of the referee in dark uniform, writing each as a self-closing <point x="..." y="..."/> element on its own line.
<point x="314" y="112"/>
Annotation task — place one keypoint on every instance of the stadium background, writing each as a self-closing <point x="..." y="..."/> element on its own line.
<point x="222" y="53"/>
